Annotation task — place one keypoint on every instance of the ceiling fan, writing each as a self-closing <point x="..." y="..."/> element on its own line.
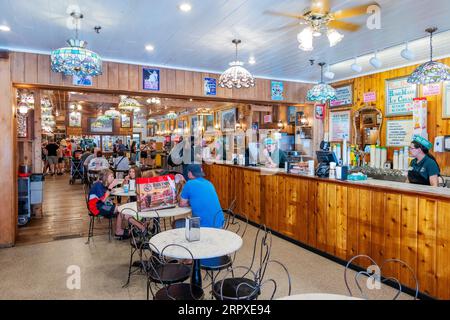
<point x="319" y="19"/>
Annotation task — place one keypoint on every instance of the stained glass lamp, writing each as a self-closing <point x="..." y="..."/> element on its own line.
<point x="76" y="60"/>
<point x="129" y="104"/>
<point x="236" y="76"/>
<point x="431" y="71"/>
<point x="321" y="92"/>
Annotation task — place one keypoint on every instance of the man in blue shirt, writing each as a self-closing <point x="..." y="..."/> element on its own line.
<point x="201" y="195"/>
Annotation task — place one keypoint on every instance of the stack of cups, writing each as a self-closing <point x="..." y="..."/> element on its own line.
<point x="311" y="167"/>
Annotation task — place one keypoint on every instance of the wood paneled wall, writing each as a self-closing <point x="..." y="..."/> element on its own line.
<point x="34" y="69"/>
<point x="344" y="220"/>
<point x="437" y="126"/>
<point x="8" y="166"/>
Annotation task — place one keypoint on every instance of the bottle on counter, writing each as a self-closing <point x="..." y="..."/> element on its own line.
<point x="405" y="158"/>
<point x="401" y="160"/>
<point x="332" y="170"/>
<point x="377" y="157"/>
<point x="344" y="153"/>
<point x="395" y="159"/>
<point x="338" y="151"/>
<point x="383" y="156"/>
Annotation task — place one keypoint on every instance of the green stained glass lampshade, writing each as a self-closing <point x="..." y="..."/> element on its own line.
<point x="321" y="93"/>
<point x="430" y="72"/>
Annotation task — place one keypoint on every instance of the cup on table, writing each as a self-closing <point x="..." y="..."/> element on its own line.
<point x="125" y="188"/>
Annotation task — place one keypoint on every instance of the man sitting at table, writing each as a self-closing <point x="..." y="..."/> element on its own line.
<point x="99" y="163"/>
<point x="201" y="195"/>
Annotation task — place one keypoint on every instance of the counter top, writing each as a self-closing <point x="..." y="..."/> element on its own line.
<point x="370" y="183"/>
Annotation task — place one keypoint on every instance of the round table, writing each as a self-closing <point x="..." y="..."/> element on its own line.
<point x="318" y="296"/>
<point x="159" y="213"/>
<point x="118" y="192"/>
<point x="213" y="243"/>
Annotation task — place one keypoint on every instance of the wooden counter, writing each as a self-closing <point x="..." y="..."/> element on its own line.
<point x="381" y="219"/>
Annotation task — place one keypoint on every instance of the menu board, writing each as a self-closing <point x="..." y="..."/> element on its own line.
<point x="344" y="97"/>
<point x="340" y="125"/>
<point x="399" y="97"/>
<point x="399" y="132"/>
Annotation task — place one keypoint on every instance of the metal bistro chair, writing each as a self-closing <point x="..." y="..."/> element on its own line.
<point x="248" y="285"/>
<point x="92" y="176"/>
<point x="231" y="223"/>
<point x="375" y="273"/>
<point x="170" y="275"/>
<point x="138" y="242"/>
<point x="92" y="217"/>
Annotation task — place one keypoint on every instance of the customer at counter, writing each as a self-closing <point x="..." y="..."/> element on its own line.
<point x="424" y="168"/>
<point x="272" y="155"/>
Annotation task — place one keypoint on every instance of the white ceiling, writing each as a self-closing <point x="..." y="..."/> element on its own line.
<point x="201" y="39"/>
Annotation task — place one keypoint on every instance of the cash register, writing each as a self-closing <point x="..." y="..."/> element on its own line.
<point x="324" y="157"/>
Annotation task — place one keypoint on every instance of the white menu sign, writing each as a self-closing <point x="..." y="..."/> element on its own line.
<point x="399" y="132"/>
<point x="340" y="125"/>
<point x="344" y="97"/>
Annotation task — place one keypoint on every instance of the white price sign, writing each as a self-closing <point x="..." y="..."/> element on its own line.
<point x="399" y="132"/>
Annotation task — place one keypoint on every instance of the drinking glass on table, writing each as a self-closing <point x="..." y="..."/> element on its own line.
<point x="125" y="188"/>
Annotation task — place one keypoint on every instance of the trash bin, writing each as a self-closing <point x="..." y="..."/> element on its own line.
<point x="36" y="187"/>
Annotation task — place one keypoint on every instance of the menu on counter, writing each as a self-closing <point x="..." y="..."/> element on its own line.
<point x="340" y="125"/>
<point x="399" y="132"/>
<point x="344" y="97"/>
<point x="399" y="96"/>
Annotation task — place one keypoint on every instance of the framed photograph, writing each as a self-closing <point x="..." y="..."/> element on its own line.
<point x="291" y="114"/>
<point x="209" y="123"/>
<point x="399" y="97"/>
<point x="103" y="126"/>
<point x="75" y="119"/>
<point x="344" y="97"/>
<point x="125" y="120"/>
<point x="228" y="120"/>
<point x="446" y="100"/>
<point x="150" y="79"/>
<point x="319" y="111"/>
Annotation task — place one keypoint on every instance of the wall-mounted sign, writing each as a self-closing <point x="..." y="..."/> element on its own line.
<point x="399" y="97"/>
<point x="340" y="125"/>
<point x="82" y="81"/>
<point x="268" y="118"/>
<point x="210" y="86"/>
<point x="399" y="132"/>
<point x="420" y="117"/>
<point x="344" y="97"/>
<point x="125" y="120"/>
<point x="277" y="89"/>
<point x="369" y="97"/>
<point x="75" y="119"/>
<point x="432" y="89"/>
<point x="446" y="101"/>
<point x="150" y="79"/>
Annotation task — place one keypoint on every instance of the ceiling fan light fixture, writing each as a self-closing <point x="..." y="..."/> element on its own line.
<point x="305" y="38"/>
<point x="334" y="37"/>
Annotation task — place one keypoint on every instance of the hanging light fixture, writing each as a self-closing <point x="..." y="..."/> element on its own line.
<point x="236" y="76"/>
<point x="23" y="107"/>
<point x="305" y="38"/>
<point x="431" y="71"/>
<point x="129" y="104"/>
<point x="112" y="113"/>
<point x="76" y="60"/>
<point x="321" y="92"/>
<point x="334" y="37"/>
<point x="172" y="115"/>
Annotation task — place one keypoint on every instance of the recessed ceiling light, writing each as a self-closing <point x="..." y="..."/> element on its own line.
<point x="185" y="7"/>
<point x="5" y="28"/>
<point x="149" y="47"/>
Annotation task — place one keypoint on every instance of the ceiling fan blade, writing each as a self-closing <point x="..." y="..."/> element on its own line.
<point x="282" y="14"/>
<point x="353" y="12"/>
<point x="347" y="26"/>
<point x="320" y="6"/>
<point x="286" y="26"/>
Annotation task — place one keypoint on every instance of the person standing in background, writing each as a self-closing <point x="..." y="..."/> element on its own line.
<point x="144" y="152"/>
<point x="133" y="151"/>
<point x="52" y="156"/>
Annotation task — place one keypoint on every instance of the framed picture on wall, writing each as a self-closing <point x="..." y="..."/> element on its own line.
<point x="101" y="125"/>
<point x="209" y="122"/>
<point x="75" y="119"/>
<point x="291" y="114"/>
<point x="150" y="79"/>
<point x="344" y="97"/>
<point x="399" y="96"/>
<point x="446" y="100"/>
<point x="228" y="120"/>
<point x="125" y="120"/>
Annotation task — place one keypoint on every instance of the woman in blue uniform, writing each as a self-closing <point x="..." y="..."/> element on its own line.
<point x="423" y="169"/>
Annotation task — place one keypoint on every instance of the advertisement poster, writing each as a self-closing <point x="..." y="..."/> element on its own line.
<point x="399" y="132"/>
<point x="156" y="192"/>
<point x="210" y="86"/>
<point x="82" y="81"/>
<point x="370" y="97"/>
<point x="432" y="89"/>
<point x="344" y="97"/>
<point x="446" y="101"/>
<point x="319" y="111"/>
<point x="277" y="91"/>
<point x="399" y="97"/>
<point x="340" y="125"/>
<point x="268" y="118"/>
<point x="420" y="117"/>
<point x="151" y="79"/>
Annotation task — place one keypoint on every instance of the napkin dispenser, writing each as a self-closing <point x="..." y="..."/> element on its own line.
<point x="192" y="229"/>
